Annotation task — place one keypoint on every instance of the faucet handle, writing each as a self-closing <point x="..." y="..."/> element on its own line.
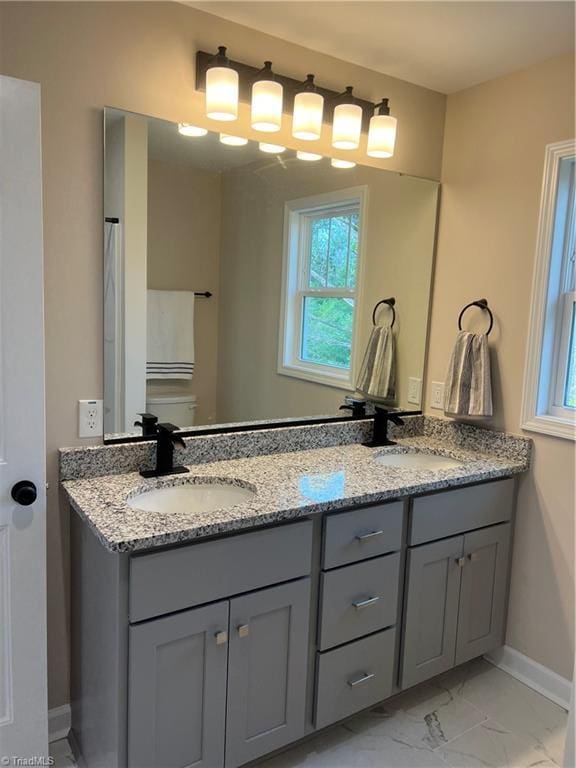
<point x="167" y="429"/>
<point x="148" y="424"/>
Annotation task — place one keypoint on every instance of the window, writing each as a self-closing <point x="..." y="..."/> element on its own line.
<point x="549" y="402"/>
<point x="322" y="266"/>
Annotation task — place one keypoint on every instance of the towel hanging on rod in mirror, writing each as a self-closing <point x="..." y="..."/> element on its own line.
<point x="391" y="303"/>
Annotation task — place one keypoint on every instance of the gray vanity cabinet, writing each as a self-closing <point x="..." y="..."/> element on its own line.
<point x="431" y="614"/>
<point x="483" y="592"/>
<point x="455" y="601"/>
<point x="267" y="670"/>
<point x="177" y="689"/>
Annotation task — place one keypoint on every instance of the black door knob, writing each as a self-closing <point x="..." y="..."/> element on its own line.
<point x="24" y="493"/>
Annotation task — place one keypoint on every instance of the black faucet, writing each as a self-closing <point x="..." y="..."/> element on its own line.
<point x="165" y="441"/>
<point x="381" y="418"/>
<point x="355" y="404"/>
<point x="148" y="424"/>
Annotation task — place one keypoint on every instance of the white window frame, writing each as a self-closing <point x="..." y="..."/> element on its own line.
<point x="553" y="300"/>
<point x="297" y="216"/>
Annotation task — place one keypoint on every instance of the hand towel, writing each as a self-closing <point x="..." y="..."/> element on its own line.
<point x="468" y="380"/>
<point x="377" y="377"/>
<point x="170" y="335"/>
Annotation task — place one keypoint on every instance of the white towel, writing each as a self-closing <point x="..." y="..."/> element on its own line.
<point x="170" y="334"/>
<point x="468" y="380"/>
<point x="377" y="377"/>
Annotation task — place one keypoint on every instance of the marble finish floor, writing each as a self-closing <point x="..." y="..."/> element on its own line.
<point x="475" y="715"/>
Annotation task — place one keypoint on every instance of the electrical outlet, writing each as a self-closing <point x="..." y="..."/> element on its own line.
<point x="414" y="390"/>
<point x="90" y="418"/>
<point x="437" y="399"/>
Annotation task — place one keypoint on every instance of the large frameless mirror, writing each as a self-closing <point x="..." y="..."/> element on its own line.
<point x="247" y="284"/>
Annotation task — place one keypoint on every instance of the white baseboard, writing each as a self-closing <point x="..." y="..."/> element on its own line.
<point x="59" y="720"/>
<point x="534" y="675"/>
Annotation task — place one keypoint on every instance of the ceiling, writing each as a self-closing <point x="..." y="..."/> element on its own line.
<point x="446" y="46"/>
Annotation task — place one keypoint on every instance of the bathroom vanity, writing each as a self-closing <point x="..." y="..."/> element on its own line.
<point x="215" y="640"/>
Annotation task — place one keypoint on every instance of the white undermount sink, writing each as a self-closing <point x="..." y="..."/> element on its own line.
<point x="190" y="498"/>
<point x="417" y="461"/>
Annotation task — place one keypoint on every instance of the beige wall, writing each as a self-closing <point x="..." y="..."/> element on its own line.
<point x="184" y="214"/>
<point x="397" y="261"/>
<point x="139" y="57"/>
<point x="492" y="173"/>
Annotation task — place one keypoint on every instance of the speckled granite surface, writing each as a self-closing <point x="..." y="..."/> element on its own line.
<point x="290" y="485"/>
<point x="98" y="460"/>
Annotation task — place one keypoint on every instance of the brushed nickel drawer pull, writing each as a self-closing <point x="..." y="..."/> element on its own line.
<point x="473" y="556"/>
<point x="359" y="604"/>
<point x="366" y="536"/>
<point x="243" y="630"/>
<point x="221" y="637"/>
<point x="460" y="562"/>
<point x="363" y="679"/>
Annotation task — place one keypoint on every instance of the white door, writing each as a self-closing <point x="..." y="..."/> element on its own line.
<point x="23" y="701"/>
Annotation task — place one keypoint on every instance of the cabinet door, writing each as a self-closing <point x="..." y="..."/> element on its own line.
<point x="482" y="614"/>
<point x="431" y="613"/>
<point x="177" y="690"/>
<point x="268" y="660"/>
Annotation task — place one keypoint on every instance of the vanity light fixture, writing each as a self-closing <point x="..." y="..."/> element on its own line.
<point x="337" y="163"/>
<point x="233" y="141"/>
<point x="347" y="122"/>
<point x="187" y="129"/>
<point x="270" y="94"/>
<point x="271" y="149"/>
<point x="308" y="112"/>
<point x="221" y="88"/>
<point x="382" y="132"/>
<point x="267" y="101"/>
<point x="311" y="157"/>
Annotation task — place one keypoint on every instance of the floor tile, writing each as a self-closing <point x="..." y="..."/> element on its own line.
<point x="512" y="704"/>
<point x="488" y="745"/>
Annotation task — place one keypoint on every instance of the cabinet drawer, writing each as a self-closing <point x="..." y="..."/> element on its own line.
<point x="362" y="533"/>
<point x="357" y="600"/>
<point x="452" y="512"/>
<point x="162" y="582"/>
<point x="354" y="677"/>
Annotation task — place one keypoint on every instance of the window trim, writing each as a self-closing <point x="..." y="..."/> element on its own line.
<point x="290" y="325"/>
<point x="538" y="411"/>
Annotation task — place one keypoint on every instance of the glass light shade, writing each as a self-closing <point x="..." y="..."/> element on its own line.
<point x="309" y="156"/>
<point x="347" y="126"/>
<point x="233" y="141"/>
<point x="222" y="93"/>
<point x="336" y="163"/>
<point x="272" y="149"/>
<point x="307" y="117"/>
<point x="266" y="110"/>
<point x="187" y="129"/>
<point x="381" y="136"/>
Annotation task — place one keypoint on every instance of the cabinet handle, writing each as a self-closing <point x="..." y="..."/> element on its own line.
<point x="243" y="630"/>
<point x="460" y="561"/>
<point x="221" y="637"/>
<point x="370" y="535"/>
<point x="363" y="679"/>
<point x="359" y="604"/>
<point x="473" y="556"/>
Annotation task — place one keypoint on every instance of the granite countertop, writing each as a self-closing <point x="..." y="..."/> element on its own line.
<point x="287" y="486"/>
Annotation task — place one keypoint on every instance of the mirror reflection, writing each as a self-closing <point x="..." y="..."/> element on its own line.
<point x="243" y="282"/>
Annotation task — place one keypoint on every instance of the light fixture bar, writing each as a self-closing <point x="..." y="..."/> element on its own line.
<point x="291" y="86"/>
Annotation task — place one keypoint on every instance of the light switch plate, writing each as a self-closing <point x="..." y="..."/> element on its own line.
<point x="90" y="422"/>
<point x="414" y="390"/>
<point x="437" y="395"/>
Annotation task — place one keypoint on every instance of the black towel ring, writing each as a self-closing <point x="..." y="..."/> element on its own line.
<point x="482" y="304"/>
<point x="389" y="302"/>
